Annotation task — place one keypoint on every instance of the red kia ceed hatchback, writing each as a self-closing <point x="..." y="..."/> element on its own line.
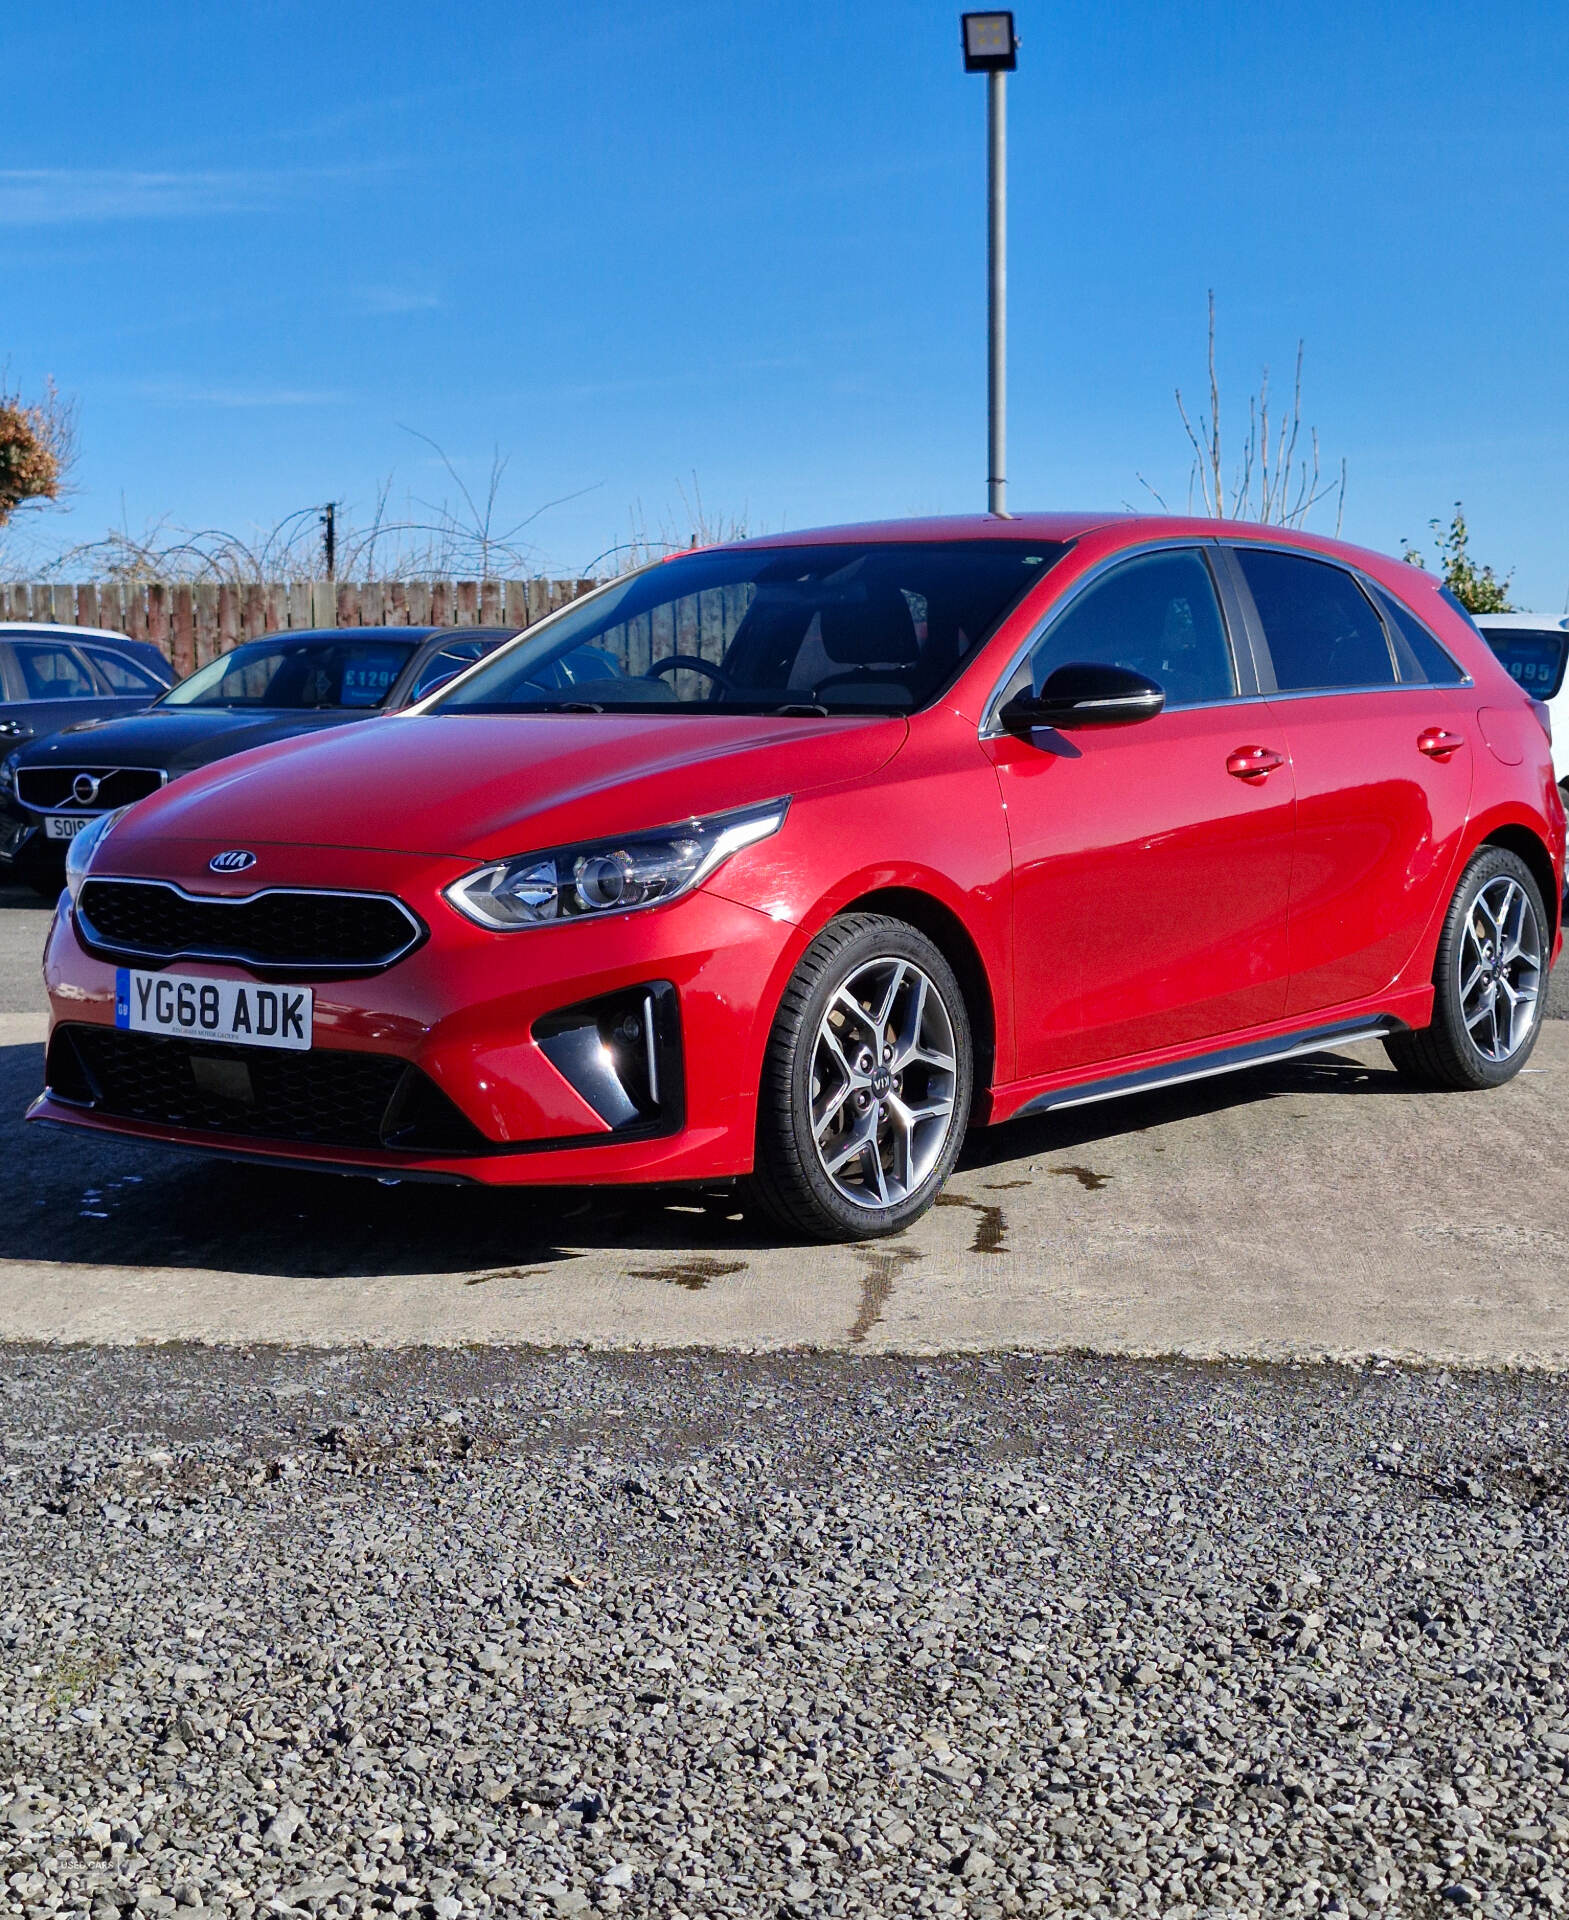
<point x="865" y="836"/>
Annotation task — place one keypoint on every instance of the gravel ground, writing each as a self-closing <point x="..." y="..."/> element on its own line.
<point x="504" y="1632"/>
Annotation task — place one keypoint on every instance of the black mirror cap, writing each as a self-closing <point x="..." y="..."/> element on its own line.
<point x="1084" y="694"/>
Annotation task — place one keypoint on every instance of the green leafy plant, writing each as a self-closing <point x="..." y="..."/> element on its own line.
<point x="1476" y="587"/>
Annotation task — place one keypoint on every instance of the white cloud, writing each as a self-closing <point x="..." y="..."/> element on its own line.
<point x="191" y="393"/>
<point x="60" y="196"/>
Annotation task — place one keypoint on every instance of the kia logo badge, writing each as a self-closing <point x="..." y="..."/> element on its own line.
<point x="84" y="789"/>
<point x="235" y="861"/>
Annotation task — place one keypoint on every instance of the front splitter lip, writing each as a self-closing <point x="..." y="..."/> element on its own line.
<point x="602" y="1161"/>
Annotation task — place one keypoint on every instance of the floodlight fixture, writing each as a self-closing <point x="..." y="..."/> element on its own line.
<point x="990" y="45"/>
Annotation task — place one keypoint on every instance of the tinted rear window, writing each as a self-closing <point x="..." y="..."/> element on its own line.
<point x="1534" y="658"/>
<point x="1421" y="659"/>
<point x="1323" y="631"/>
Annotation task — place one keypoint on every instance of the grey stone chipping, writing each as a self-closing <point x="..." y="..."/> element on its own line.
<point x="450" y="1634"/>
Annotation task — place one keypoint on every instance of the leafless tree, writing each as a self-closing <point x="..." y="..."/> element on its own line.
<point x="1271" y="482"/>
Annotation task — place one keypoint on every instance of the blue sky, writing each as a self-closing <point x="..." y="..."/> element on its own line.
<point x="630" y="243"/>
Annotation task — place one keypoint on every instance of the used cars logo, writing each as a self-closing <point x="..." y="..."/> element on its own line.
<point x="236" y="860"/>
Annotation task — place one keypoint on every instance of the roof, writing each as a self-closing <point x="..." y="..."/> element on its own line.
<point x="33" y="629"/>
<point x="954" y="526"/>
<point x="1066" y="526"/>
<point x="346" y="633"/>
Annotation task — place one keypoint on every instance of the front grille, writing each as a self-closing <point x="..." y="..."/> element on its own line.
<point x="292" y="930"/>
<point x="52" y="787"/>
<point x="321" y="1098"/>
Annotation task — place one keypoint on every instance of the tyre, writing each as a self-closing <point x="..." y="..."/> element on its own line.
<point x="1488" y="981"/>
<point x="866" y="1083"/>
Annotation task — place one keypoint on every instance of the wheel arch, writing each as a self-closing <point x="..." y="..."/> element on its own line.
<point x="953" y="940"/>
<point x="1532" y="849"/>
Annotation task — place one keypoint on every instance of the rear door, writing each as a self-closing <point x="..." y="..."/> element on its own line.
<point x="1382" y="753"/>
<point x="1152" y="861"/>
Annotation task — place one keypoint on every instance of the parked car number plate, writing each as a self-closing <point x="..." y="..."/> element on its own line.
<point x="199" y="1008"/>
<point x="66" y="826"/>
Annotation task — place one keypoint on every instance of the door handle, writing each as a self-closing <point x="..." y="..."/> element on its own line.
<point x="1438" y="743"/>
<point x="1253" y="763"/>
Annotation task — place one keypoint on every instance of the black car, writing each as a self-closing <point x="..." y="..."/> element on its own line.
<point x="265" y="690"/>
<point x="52" y="677"/>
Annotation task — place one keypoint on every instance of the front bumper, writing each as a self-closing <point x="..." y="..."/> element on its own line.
<point x="466" y="1010"/>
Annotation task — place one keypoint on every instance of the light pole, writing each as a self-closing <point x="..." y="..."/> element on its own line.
<point x="992" y="48"/>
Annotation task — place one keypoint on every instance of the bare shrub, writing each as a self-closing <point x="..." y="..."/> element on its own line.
<point x="468" y="538"/>
<point x="37" y="448"/>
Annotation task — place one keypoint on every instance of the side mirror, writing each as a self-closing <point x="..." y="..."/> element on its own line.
<point x="1084" y="694"/>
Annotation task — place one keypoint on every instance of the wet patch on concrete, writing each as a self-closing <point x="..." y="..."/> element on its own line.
<point x="990" y="1227"/>
<point x="693" y="1274"/>
<point x="883" y="1267"/>
<point x="1087" y="1177"/>
<point x="504" y="1273"/>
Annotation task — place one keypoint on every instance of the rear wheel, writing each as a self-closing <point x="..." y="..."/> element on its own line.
<point x="1488" y="981"/>
<point x="866" y="1083"/>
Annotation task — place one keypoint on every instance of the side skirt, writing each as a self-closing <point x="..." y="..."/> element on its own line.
<point x="1204" y="1066"/>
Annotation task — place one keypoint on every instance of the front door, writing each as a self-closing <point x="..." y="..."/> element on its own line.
<point x="1151" y="862"/>
<point x="1382" y="751"/>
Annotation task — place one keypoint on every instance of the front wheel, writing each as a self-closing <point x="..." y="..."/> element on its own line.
<point x="866" y="1083"/>
<point x="1488" y="981"/>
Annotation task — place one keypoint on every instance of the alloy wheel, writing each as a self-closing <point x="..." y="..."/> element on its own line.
<point x="1500" y="969"/>
<point x="884" y="1083"/>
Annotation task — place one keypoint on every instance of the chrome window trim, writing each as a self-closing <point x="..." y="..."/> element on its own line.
<point x="1204" y="544"/>
<point x="1342" y="693"/>
<point x="99" y="773"/>
<point x="418" y="931"/>
<point x="1372" y="590"/>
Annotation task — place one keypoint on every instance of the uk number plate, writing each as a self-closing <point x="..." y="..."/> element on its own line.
<point x="198" y="1008"/>
<point x="66" y="826"/>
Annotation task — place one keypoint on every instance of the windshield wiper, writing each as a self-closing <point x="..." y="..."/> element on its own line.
<point x="806" y="708"/>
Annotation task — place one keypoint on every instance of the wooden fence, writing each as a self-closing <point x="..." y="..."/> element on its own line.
<point x="193" y="624"/>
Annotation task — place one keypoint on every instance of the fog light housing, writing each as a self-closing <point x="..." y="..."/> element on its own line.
<point x="621" y="1054"/>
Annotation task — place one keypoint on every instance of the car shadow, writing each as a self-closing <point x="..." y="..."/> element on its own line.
<point x="85" y="1199"/>
<point x="1137" y="1113"/>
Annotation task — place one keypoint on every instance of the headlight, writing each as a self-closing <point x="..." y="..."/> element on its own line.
<point x="79" y="854"/>
<point x="609" y="876"/>
<point x="8" y="768"/>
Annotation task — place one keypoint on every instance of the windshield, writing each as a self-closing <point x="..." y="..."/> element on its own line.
<point x="296" y="673"/>
<point x="828" y="629"/>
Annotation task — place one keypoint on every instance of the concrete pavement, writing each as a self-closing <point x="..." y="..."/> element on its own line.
<point x="1309" y="1210"/>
